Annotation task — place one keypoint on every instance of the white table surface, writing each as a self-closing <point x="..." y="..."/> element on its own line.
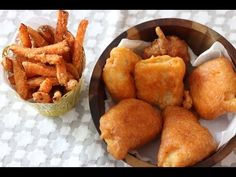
<point x="29" y="139"/>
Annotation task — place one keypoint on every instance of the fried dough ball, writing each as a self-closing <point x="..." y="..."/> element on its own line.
<point x="128" y="125"/>
<point x="118" y="73"/>
<point x="167" y="45"/>
<point x="184" y="142"/>
<point x="213" y="88"/>
<point x="159" y="80"/>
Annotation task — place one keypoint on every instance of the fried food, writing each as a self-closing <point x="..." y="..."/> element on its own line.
<point x="77" y="59"/>
<point x="213" y="88"/>
<point x="71" y="69"/>
<point x="118" y="73"/>
<point x="24" y="36"/>
<point x="46" y="86"/>
<point x="184" y="142"/>
<point x="159" y="80"/>
<point x="61" y="72"/>
<point x="61" y="28"/>
<point x="11" y="80"/>
<point x="47" y="32"/>
<point x="20" y="79"/>
<point x="41" y="97"/>
<point x="71" y="84"/>
<point x="128" y="125"/>
<point x="187" y="102"/>
<point x="58" y="48"/>
<point x="56" y="96"/>
<point x="38" y="69"/>
<point x="48" y="58"/>
<point x="36" y="81"/>
<point x="39" y="41"/>
<point x="167" y="45"/>
<point x="7" y="64"/>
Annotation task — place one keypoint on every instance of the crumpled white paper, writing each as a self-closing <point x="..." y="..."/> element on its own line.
<point x="222" y="128"/>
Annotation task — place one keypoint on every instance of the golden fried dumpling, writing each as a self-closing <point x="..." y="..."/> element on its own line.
<point x="213" y="88"/>
<point x="128" y="125"/>
<point x="167" y="45"/>
<point x="184" y="142"/>
<point x="118" y="73"/>
<point x="159" y="80"/>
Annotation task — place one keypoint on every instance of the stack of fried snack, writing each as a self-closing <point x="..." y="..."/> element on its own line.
<point x="145" y="86"/>
<point x="47" y="62"/>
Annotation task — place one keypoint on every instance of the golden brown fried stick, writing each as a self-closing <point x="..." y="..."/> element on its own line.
<point x="61" y="28"/>
<point x="213" y="88"/>
<point x="36" y="81"/>
<point x="24" y="36"/>
<point x="39" y="41"/>
<point x="184" y="141"/>
<point x="58" y="48"/>
<point x="128" y="125"/>
<point x="70" y="40"/>
<point x="34" y="69"/>
<point x="78" y="60"/>
<point x="20" y="79"/>
<point x="71" y="69"/>
<point x="46" y="86"/>
<point x="7" y="64"/>
<point x="56" y="96"/>
<point x="167" y="45"/>
<point x="20" y="59"/>
<point x="48" y="58"/>
<point x="71" y="84"/>
<point x="47" y="32"/>
<point x="118" y="73"/>
<point x="61" y="72"/>
<point x="41" y="97"/>
<point x="159" y="80"/>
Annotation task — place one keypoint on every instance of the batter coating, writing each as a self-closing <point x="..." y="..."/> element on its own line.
<point x="128" y="125"/>
<point x="184" y="142"/>
<point x="118" y="73"/>
<point x="213" y="88"/>
<point x="159" y="80"/>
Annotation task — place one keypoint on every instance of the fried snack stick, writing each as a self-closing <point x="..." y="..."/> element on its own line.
<point x="56" y="96"/>
<point x="36" y="81"/>
<point x="48" y="58"/>
<point x="71" y="84"/>
<point x="24" y="36"/>
<point x="41" y="97"/>
<point x="70" y="40"/>
<point x="72" y="70"/>
<point x="7" y="64"/>
<point x="46" y="86"/>
<point x="47" y="32"/>
<point x="58" y="48"/>
<point x="37" y="38"/>
<point x="77" y="60"/>
<point x="61" y="73"/>
<point x="20" y="79"/>
<point x="34" y="69"/>
<point x="61" y="28"/>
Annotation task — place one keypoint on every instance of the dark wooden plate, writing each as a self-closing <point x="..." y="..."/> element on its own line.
<point x="198" y="37"/>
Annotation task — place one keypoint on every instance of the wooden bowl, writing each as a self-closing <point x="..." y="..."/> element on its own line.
<point x="198" y="37"/>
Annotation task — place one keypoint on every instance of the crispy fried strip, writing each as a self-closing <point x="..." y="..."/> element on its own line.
<point x="36" y="81"/>
<point x="160" y="33"/>
<point x="61" y="28"/>
<point x="37" y="38"/>
<point x="34" y="69"/>
<point x="11" y="79"/>
<point x="56" y="96"/>
<point x="71" y="84"/>
<point x="48" y="58"/>
<point x="70" y="40"/>
<point x="72" y="70"/>
<point x="24" y="36"/>
<point x="58" y="48"/>
<point x="7" y="64"/>
<point x="41" y="97"/>
<point x="61" y="73"/>
<point x="47" y="32"/>
<point x="21" y="59"/>
<point x="46" y="86"/>
<point x="78" y="60"/>
<point x="20" y="79"/>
